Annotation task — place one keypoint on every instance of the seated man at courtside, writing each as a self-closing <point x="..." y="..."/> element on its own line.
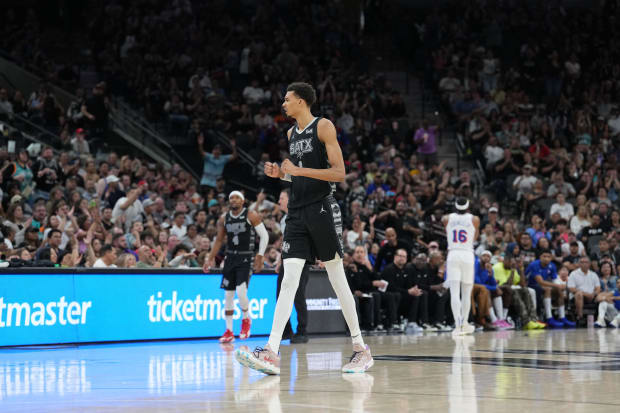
<point x="395" y="274"/>
<point x="365" y="286"/>
<point x="585" y="286"/>
<point x="509" y="273"/>
<point x="498" y="298"/>
<point x="540" y="275"/>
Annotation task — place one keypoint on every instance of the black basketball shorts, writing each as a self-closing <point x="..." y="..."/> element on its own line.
<point x="237" y="270"/>
<point x="314" y="231"/>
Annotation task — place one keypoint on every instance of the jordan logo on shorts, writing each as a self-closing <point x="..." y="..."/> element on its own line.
<point x="285" y="246"/>
<point x="322" y="211"/>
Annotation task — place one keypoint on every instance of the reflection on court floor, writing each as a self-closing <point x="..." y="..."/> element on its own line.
<point x="577" y="370"/>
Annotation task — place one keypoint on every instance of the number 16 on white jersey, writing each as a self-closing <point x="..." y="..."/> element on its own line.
<point x="460" y="232"/>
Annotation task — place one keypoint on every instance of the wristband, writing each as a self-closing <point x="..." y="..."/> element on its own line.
<point x="287" y="177"/>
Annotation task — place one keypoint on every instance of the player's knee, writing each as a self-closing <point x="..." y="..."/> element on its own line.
<point x="333" y="265"/>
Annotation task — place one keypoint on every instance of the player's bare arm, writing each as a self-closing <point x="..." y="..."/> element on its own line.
<point x="539" y="279"/>
<point x="476" y="222"/>
<point x="336" y="171"/>
<point x="259" y="227"/>
<point x="219" y="239"/>
<point x="444" y="220"/>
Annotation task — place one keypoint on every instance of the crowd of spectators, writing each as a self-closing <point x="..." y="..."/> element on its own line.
<point x="536" y="110"/>
<point x="533" y="92"/>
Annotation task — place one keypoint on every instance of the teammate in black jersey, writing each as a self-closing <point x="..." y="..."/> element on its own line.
<point x="239" y="225"/>
<point x="313" y="227"/>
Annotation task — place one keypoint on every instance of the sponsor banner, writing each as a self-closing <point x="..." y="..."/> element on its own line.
<point x="92" y="307"/>
<point x="324" y="313"/>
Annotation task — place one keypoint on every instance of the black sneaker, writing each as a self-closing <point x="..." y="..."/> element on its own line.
<point x="299" y="339"/>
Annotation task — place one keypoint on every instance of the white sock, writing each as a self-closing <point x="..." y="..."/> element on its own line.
<point x="466" y="300"/>
<point x="338" y="279"/>
<point x="547" y="303"/>
<point x="533" y="295"/>
<point x="498" y="304"/>
<point x="492" y="315"/>
<point x="284" y="305"/>
<point x="602" y="309"/>
<point x="242" y="294"/>
<point x="505" y="314"/>
<point x="229" y="307"/>
<point x="455" y="302"/>
<point x="562" y="311"/>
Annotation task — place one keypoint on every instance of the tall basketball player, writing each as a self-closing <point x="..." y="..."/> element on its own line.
<point x="313" y="227"/>
<point x="462" y="230"/>
<point x="238" y="225"/>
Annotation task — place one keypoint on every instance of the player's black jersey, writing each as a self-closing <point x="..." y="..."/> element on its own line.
<point x="240" y="233"/>
<point x="307" y="151"/>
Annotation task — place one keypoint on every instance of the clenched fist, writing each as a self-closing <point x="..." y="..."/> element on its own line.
<point x="272" y="170"/>
<point x="289" y="168"/>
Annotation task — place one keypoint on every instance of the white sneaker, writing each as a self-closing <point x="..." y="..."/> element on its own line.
<point x="413" y="328"/>
<point x="263" y="360"/>
<point x="468" y="328"/>
<point x="360" y="361"/>
<point x="615" y="322"/>
<point x="428" y="328"/>
<point x="457" y="331"/>
<point x="442" y="327"/>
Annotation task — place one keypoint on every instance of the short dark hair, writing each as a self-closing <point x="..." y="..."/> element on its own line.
<point x="52" y="232"/>
<point x="304" y="91"/>
<point x="45" y="254"/>
<point x="544" y="251"/>
<point x="105" y="249"/>
<point x="180" y="247"/>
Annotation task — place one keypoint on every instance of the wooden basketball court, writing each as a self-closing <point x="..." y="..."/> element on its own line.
<point x="540" y="371"/>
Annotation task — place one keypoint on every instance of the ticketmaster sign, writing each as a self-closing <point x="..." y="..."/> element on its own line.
<point x="88" y="307"/>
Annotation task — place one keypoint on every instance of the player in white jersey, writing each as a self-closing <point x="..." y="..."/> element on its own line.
<point x="462" y="229"/>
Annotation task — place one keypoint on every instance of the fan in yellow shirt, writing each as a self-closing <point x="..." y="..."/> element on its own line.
<point x="509" y="274"/>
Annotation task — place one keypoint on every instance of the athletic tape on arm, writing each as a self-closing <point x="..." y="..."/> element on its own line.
<point x="264" y="238"/>
<point x="287" y="177"/>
